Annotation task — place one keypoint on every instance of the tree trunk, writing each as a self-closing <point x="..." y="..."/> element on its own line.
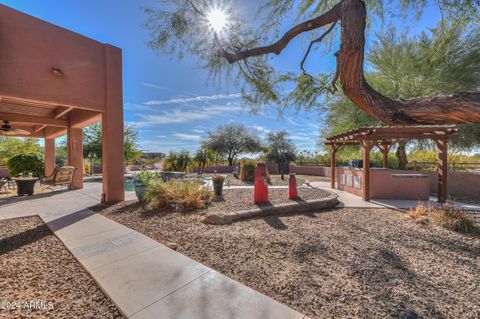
<point x="230" y="161"/>
<point x="461" y="108"/>
<point x="401" y="155"/>
<point x="444" y="108"/>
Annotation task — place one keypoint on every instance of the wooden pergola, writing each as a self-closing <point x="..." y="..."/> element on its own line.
<point x="384" y="137"/>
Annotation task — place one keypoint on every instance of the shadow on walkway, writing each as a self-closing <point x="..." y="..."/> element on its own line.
<point x="17" y="199"/>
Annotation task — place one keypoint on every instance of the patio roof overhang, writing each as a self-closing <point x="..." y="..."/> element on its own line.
<point x="54" y="82"/>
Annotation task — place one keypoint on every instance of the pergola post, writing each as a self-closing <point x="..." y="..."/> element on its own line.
<point x="75" y="155"/>
<point x="442" y="145"/>
<point x="367" y="147"/>
<point x="49" y="156"/>
<point x="333" y="165"/>
<point x="112" y="130"/>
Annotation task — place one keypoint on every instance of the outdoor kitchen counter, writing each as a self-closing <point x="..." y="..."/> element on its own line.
<point x="385" y="183"/>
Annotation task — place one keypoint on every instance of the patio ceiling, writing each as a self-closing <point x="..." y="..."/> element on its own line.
<point x="41" y="120"/>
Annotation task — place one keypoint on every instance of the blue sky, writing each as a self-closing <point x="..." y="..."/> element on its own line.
<point x="171" y="102"/>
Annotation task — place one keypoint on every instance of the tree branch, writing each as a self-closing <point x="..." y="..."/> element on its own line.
<point x="319" y="39"/>
<point x="337" y="71"/>
<point x="329" y="17"/>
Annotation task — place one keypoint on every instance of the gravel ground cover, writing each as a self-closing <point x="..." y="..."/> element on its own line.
<point x="241" y="199"/>
<point x="39" y="278"/>
<point x="275" y="179"/>
<point x="342" y="263"/>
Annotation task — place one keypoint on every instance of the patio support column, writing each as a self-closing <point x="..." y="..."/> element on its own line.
<point x="112" y="130"/>
<point x="367" y="147"/>
<point x="442" y="169"/>
<point x="49" y="155"/>
<point x="333" y="164"/>
<point x="75" y="155"/>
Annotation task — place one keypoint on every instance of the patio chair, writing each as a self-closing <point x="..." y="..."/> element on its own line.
<point x="61" y="176"/>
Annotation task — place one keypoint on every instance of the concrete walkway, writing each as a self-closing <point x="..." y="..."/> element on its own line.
<point x="349" y="200"/>
<point x="142" y="277"/>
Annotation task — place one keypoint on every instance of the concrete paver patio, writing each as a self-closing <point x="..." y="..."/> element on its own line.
<point x="142" y="277"/>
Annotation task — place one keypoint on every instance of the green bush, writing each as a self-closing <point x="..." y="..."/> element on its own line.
<point x="247" y="171"/>
<point x="146" y="177"/>
<point x="26" y="163"/>
<point x="177" y="195"/>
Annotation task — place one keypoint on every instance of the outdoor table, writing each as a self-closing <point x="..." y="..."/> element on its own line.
<point x="25" y="185"/>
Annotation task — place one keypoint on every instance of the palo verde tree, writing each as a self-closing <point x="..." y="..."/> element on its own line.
<point x="232" y="140"/>
<point x="233" y="47"/>
<point x="445" y="59"/>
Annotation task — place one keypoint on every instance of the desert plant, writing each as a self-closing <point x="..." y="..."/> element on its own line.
<point x="145" y="177"/>
<point x="419" y="214"/>
<point x="452" y="218"/>
<point x="177" y="161"/>
<point x="217" y="181"/>
<point x="446" y="215"/>
<point x="177" y="195"/>
<point x="26" y="163"/>
<point x="247" y="171"/>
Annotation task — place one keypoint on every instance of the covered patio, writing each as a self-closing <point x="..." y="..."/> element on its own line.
<point x="55" y="82"/>
<point x="383" y="138"/>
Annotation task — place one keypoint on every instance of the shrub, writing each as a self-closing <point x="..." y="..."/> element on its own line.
<point x="177" y="195"/>
<point x="247" y="171"/>
<point x="218" y="178"/>
<point x="86" y="168"/>
<point x="419" y="214"/>
<point x="446" y="216"/>
<point x="146" y="177"/>
<point x="178" y="162"/>
<point x="26" y="163"/>
<point x="453" y="218"/>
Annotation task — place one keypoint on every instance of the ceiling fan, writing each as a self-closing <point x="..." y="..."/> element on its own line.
<point x="6" y="129"/>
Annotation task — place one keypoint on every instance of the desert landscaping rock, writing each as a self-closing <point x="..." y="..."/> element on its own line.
<point x="293" y="206"/>
<point x="340" y="263"/>
<point x="36" y="267"/>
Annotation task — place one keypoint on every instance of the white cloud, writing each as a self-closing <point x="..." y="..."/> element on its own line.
<point x="190" y="137"/>
<point x="197" y="131"/>
<point x="201" y="98"/>
<point x="150" y="85"/>
<point x="261" y="129"/>
<point x="176" y="116"/>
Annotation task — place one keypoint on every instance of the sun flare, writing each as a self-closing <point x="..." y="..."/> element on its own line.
<point x="217" y="19"/>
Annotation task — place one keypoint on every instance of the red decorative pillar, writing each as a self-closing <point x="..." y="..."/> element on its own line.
<point x="260" y="191"/>
<point x="292" y="187"/>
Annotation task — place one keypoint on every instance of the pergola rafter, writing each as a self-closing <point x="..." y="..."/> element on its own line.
<point x="383" y="137"/>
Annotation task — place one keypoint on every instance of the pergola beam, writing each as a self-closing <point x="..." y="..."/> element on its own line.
<point x="38" y="128"/>
<point x="61" y="111"/>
